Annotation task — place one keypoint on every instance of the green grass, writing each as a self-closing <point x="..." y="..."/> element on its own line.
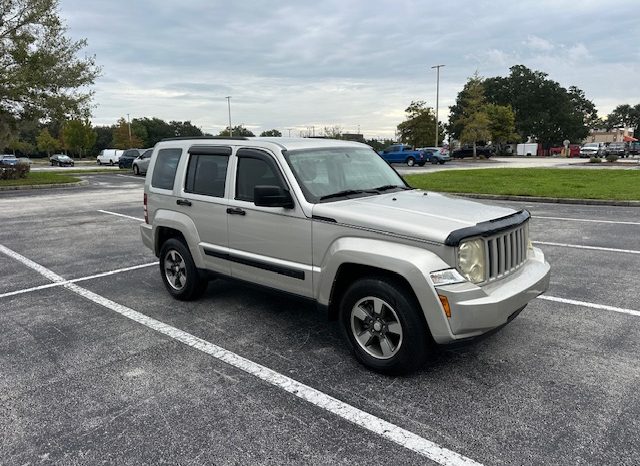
<point x="35" y="178"/>
<point x="540" y="182"/>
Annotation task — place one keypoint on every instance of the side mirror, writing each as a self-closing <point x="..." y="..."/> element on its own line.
<point x="272" y="196"/>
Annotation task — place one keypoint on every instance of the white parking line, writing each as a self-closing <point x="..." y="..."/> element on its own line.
<point x="595" y="248"/>
<point x="591" y="305"/>
<point x="75" y="280"/>
<point x="350" y="413"/>
<point x="121" y="215"/>
<point x="615" y="222"/>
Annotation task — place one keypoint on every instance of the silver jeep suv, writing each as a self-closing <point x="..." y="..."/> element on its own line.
<point x="403" y="270"/>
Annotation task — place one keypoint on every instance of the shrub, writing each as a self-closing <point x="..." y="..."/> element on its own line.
<point x="595" y="160"/>
<point x="612" y="158"/>
<point x="13" y="173"/>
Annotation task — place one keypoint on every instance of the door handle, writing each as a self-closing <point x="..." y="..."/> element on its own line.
<point x="236" y="211"/>
<point x="183" y="202"/>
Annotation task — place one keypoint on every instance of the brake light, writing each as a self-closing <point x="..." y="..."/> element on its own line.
<point x="146" y="212"/>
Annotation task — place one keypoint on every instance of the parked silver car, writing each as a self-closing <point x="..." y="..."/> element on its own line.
<point x="401" y="269"/>
<point x="141" y="164"/>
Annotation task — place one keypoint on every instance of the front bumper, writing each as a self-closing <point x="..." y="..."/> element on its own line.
<point x="476" y="310"/>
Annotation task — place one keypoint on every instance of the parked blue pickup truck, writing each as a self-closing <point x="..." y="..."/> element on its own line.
<point x="401" y="153"/>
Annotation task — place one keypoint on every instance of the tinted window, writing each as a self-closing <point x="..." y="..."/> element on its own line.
<point x="207" y="174"/>
<point x="254" y="172"/>
<point x="147" y="154"/>
<point x="164" y="172"/>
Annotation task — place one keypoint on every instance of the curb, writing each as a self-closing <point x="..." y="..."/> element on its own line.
<point x="44" y="186"/>
<point x="551" y="200"/>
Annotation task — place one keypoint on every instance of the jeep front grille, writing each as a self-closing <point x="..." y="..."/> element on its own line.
<point x="506" y="251"/>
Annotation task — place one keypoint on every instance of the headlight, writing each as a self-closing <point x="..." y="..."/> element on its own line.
<point x="471" y="260"/>
<point x="446" y="277"/>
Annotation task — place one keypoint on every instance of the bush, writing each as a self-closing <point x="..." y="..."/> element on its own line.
<point x="13" y="173"/>
<point x="612" y="158"/>
<point x="595" y="160"/>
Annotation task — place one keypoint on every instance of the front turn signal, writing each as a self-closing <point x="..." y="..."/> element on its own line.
<point x="445" y="305"/>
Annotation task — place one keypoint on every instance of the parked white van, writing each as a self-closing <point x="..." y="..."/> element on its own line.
<point x="109" y="156"/>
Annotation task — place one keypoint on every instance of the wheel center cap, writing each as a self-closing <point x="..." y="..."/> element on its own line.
<point x="377" y="326"/>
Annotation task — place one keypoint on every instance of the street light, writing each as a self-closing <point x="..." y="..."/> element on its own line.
<point x="437" y="67"/>
<point x="229" y="105"/>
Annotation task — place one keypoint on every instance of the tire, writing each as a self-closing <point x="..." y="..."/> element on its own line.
<point x="411" y="161"/>
<point x="179" y="273"/>
<point x="434" y="161"/>
<point x="111" y="162"/>
<point x="98" y="162"/>
<point x="383" y="324"/>
<point x="441" y="162"/>
<point x="421" y="164"/>
<point x="136" y="170"/>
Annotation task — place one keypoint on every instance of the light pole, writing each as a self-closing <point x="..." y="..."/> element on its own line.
<point x="437" y="67"/>
<point x="229" y="106"/>
<point x="289" y="129"/>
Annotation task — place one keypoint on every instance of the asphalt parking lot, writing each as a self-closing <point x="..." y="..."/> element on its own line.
<point x="100" y="365"/>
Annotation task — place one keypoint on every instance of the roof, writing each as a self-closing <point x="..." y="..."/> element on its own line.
<point x="283" y="143"/>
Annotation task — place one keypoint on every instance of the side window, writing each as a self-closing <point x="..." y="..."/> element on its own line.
<point x="164" y="172"/>
<point x="254" y="170"/>
<point x="207" y="174"/>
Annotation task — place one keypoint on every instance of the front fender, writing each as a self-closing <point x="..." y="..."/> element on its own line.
<point x="410" y="262"/>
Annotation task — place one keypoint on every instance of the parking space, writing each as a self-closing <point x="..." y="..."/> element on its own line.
<point x="90" y="380"/>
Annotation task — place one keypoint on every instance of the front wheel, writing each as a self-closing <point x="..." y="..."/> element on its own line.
<point x="179" y="272"/>
<point x="136" y="170"/>
<point x="383" y="324"/>
<point x="441" y="162"/>
<point x="411" y="161"/>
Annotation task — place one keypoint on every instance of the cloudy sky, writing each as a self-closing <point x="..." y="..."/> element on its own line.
<point x="356" y="64"/>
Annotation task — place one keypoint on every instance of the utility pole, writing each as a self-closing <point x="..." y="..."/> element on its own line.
<point x="229" y="106"/>
<point x="289" y="129"/>
<point x="437" y="67"/>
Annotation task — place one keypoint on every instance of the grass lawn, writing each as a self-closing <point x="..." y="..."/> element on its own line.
<point x="34" y="178"/>
<point x="542" y="182"/>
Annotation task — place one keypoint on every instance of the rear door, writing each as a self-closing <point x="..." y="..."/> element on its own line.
<point x="270" y="246"/>
<point x="203" y="197"/>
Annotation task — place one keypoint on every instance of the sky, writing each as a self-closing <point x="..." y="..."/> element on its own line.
<point x="356" y="64"/>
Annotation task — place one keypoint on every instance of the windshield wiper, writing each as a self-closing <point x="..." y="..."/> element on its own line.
<point x="387" y="187"/>
<point x="348" y="192"/>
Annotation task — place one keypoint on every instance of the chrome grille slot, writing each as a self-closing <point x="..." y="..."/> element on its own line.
<point x="506" y="252"/>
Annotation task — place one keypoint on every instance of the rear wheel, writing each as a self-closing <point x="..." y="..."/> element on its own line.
<point x="383" y="324"/>
<point x="434" y="161"/>
<point x="411" y="161"/>
<point x="111" y="162"/>
<point x="179" y="273"/>
<point x="441" y="162"/>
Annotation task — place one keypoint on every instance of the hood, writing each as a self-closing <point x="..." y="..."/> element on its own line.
<point x="418" y="214"/>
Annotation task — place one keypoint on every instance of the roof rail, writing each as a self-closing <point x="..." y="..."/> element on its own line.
<point x="185" y="138"/>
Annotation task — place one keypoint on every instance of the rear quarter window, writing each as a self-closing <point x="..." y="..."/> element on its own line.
<point x="164" y="171"/>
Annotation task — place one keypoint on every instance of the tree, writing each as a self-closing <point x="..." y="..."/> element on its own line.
<point x="419" y="128"/>
<point x="104" y="137"/>
<point x="271" y="133"/>
<point x="78" y="136"/>
<point x="501" y="124"/>
<point x="185" y="129"/>
<point x="332" y="132"/>
<point x="239" y="131"/>
<point x="155" y="129"/>
<point x="46" y="142"/>
<point x="544" y="110"/>
<point x="41" y="76"/>
<point x="123" y="138"/>
<point x="379" y="145"/>
<point x="625" y="116"/>
<point x="19" y="145"/>
<point x="473" y="118"/>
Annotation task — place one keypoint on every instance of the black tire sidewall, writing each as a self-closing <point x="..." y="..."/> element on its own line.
<point x="195" y="285"/>
<point x="415" y="345"/>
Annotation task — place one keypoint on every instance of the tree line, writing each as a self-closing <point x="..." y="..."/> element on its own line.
<point x="524" y="106"/>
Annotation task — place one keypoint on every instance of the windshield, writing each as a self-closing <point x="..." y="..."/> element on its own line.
<point x="8" y="156"/>
<point x="325" y="173"/>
